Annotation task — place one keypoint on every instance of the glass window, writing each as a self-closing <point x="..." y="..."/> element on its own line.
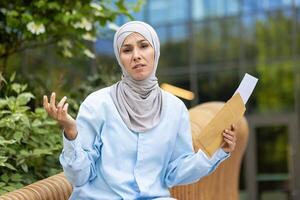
<point x="217" y="82"/>
<point x="209" y="38"/>
<point x="287" y="2"/>
<point x="179" y="32"/>
<point x="216" y="8"/>
<point x="104" y="46"/>
<point x="272" y="160"/>
<point x="162" y="34"/>
<point x="232" y="39"/>
<point x="249" y="6"/>
<point x="275" y="4"/>
<point x="273" y="36"/>
<point x="212" y="8"/>
<point x="174" y="47"/>
<point x="198" y="10"/>
<point x="232" y="7"/>
<point x="201" y="32"/>
<point x="274" y="92"/>
<point x="174" y="54"/>
<point x="164" y="11"/>
<point x="248" y="37"/>
<point x="158" y="11"/>
<point x="215" y="40"/>
<point x="178" y="10"/>
<point x="297" y="42"/>
<point x="272" y="149"/>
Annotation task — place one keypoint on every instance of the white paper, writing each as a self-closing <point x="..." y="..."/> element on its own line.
<point x="246" y="87"/>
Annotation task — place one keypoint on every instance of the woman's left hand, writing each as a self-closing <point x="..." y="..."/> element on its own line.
<point x="229" y="137"/>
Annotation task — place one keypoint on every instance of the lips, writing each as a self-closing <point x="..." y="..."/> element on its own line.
<point x="138" y="66"/>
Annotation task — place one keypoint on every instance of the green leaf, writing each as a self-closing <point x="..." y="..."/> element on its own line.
<point x="20" y="161"/>
<point x="5" y="142"/>
<point x="16" y="87"/>
<point x="24" y="153"/>
<point x="53" y="6"/>
<point x="22" y="109"/>
<point x="18" y="136"/>
<point x="3" y="103"/>
<point x="12" y="77"/>
<point x="2" y="79"/>
<point x="38" y="152"/>
<point x="120" y="5"/>
<point x="24" y="167"/>
<point x="9" y="166"/>
<point x="24" y="98"/>
<point x="40" y="3"/>
<point x="4" y="178"/>
<point x="7" y="123"/>
<point x="41" y="113"/>
<point x="2" y="191"/>
<point x="25" y="121"/>
<point x="24" y="87"/>
<point x="26" y="17"/>
<point x="12" y="13"/>
<point x="3" y="160"/>
<point x="11" y="101"/>
<point x="36" y="123"/>
<point x="16" y="177"/>
<point x="139" y="4"/>
<point x="9" y="188"/>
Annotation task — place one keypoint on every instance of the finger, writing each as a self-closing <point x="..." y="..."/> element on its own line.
<point x="229" y="142"/>
<point x="229" y="132"/>
<point x="229" y="136"/>
<point x="45" y="103"/>
<point x="65" y="108"/>
<point x="52" y="102"/>
<point x="61" y="103"/>
<point x="233" y="127"/>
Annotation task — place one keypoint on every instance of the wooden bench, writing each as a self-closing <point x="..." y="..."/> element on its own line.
<point x="223" y="184"/>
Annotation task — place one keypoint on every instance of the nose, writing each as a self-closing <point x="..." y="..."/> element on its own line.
<point x="136" y="55"/>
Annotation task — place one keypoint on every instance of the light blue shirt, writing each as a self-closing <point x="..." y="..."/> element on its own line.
<point x="109" y="161"/>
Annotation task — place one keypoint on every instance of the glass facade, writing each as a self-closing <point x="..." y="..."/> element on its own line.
<point x="208" y="45"/>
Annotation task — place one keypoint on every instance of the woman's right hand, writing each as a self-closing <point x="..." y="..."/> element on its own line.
<point x="59" y="113"/>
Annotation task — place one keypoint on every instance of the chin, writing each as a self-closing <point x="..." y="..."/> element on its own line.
<point x="140" y="77"/>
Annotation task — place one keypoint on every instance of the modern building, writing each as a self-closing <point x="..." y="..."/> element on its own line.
<point x="208" y="45"/>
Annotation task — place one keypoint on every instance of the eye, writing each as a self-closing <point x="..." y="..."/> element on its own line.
<point x="144" y="45"/>
<point x="126" y="50"/>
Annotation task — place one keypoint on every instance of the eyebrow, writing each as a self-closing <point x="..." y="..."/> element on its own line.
<point x="140" y="41"/>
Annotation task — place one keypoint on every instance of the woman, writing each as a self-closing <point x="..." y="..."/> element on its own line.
<point x="132" y="140"/>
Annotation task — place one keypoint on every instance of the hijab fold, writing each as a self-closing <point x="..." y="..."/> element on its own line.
<point x="139" y="103"/>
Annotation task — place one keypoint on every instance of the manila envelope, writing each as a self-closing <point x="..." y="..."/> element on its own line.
<point x="212" y="137"/>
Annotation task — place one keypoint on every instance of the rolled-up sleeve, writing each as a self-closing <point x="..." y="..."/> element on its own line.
<point x="185" y="165"/>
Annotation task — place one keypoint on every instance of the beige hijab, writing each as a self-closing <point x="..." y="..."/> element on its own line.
<point x="139" y="103"/>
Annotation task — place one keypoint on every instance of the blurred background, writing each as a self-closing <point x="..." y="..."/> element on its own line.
<point x="206" y="47"/>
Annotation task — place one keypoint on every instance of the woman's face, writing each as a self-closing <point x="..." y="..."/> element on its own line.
<point x="137" y="56"/>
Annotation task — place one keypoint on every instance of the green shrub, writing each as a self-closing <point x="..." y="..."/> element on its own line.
<point x="30" y="142"/>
